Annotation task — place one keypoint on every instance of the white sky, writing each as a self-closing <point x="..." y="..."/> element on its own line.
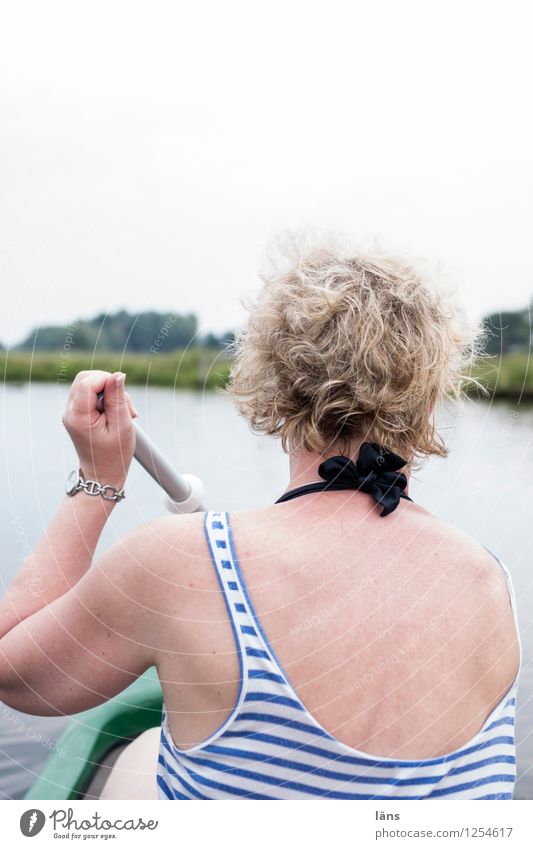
<point x="150" y="149"/>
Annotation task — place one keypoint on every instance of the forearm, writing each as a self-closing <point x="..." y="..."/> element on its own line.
<point x="60" y="559"/>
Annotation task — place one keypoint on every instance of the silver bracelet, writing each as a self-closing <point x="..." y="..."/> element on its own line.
<point x="77" y="483"/>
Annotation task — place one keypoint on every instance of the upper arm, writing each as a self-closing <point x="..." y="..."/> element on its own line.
<point x="500" y="634"/>
<point x="90" y="643"/>
<point x="491" y="641"/>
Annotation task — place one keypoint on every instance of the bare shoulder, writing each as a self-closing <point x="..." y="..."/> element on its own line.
<point x="170" y="565"/>
<point x="169" y="533"/>
<point x="474" y="563"/>
<point x="479" y="601"/>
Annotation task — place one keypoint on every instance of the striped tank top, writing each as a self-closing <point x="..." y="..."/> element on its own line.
<point x="271" y="747"/>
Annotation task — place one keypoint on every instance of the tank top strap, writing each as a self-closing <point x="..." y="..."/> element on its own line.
<point x="256" y="658"/>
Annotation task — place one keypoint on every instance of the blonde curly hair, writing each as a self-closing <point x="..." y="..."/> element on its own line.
<point x="343" y="344"/>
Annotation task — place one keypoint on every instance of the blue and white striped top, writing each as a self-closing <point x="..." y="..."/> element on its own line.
<point x="271" y="747"/>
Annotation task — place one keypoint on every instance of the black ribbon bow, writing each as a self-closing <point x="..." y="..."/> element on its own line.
<point x="376" y="471"/>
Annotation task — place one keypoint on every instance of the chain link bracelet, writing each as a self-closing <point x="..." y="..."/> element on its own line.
<point x="77" y="483"/>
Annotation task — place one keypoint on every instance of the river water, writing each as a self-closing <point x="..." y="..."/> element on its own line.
<point x="485" y="487"/>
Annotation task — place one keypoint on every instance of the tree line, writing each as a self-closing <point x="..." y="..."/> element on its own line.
<point x="509" y="332"/>
<point x="124" y="332"/>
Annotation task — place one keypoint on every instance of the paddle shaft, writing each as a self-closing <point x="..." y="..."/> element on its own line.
<point x="177" y="487"/>
<point x="158" y="467"/>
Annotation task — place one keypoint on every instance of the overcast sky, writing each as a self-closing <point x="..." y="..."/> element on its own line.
<point x="150" y="149"/>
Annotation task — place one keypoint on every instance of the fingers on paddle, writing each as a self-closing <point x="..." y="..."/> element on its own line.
<point x="133" y="411"/>
<point x="88" y="385"/>
<point x="117" y="404"/>
<point x="85" y="389"/>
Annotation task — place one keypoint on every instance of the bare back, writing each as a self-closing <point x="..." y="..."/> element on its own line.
<point x="397" y="635"/>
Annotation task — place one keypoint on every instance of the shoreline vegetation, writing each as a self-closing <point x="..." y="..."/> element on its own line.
<point x="192" y="368"/>
<point x="167" y="349"/>
<point x="507" y="377"/>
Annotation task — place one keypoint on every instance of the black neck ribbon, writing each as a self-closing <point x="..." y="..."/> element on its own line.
<point x="376" y="472"/>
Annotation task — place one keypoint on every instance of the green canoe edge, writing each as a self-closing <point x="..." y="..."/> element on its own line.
<point x="91" y="735"/>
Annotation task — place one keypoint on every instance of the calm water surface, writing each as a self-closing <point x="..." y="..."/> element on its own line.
<point x="485" y="487"/>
